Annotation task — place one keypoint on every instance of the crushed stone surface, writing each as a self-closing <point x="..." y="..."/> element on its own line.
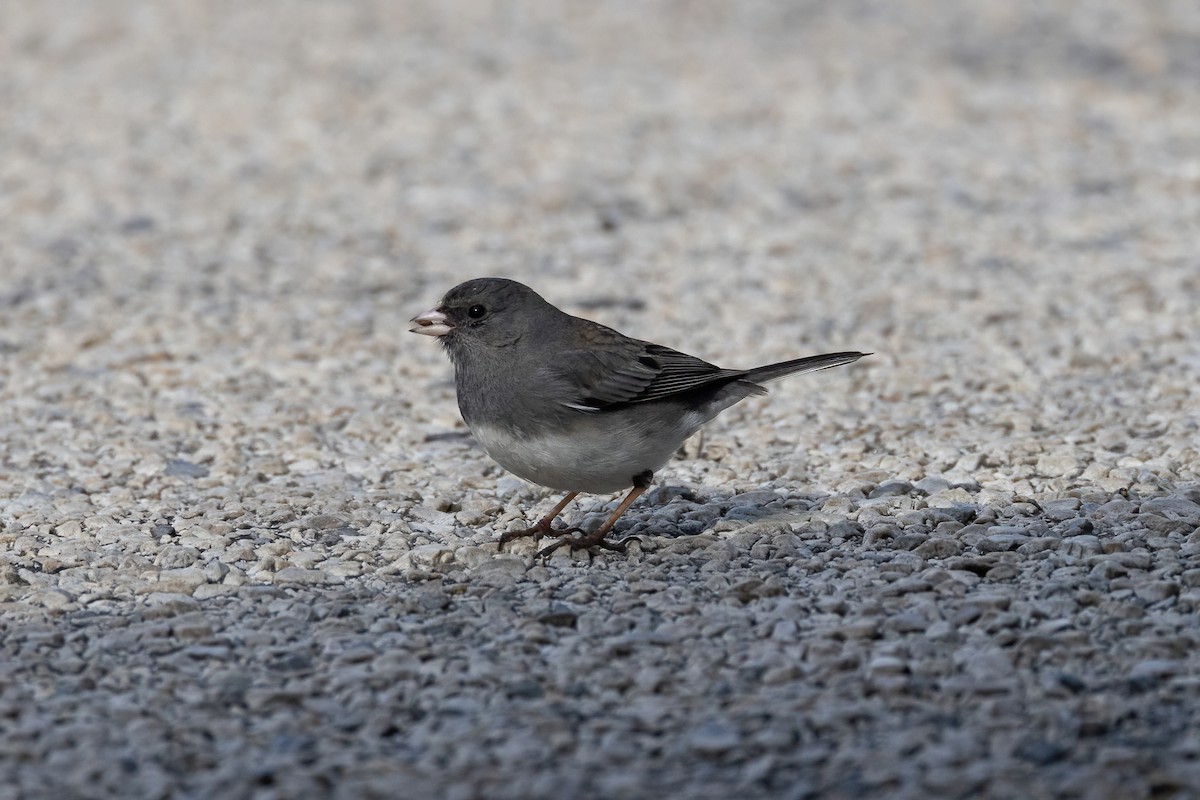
<point x="248" y="549"/>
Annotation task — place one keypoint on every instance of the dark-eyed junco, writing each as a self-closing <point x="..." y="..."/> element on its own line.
<point x="572" y="405"/>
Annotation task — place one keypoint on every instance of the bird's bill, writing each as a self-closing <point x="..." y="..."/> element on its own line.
<point x="431" y="323"/>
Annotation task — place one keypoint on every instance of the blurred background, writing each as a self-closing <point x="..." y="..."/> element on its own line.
<point x="216" y="218"/>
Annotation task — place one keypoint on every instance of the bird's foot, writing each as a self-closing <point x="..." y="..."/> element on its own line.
<point x="582" y="542"/>
<point x="542" y="529"/>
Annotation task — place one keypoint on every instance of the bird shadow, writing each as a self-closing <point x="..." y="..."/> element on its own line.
<point x="676" y="512"/>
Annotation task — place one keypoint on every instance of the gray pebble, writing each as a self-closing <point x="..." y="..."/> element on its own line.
<point x="1001" y="538"/>
<point x="932" y="485"/>
<point x="890" y="489"/>
<point x="1080" y="546"/>
<point x="178" y="468"/>
<point x="1060" y="510"/>
<point x="713" y="737"/>
<point x="301" y="575"/>
<point x="939" y="547"/>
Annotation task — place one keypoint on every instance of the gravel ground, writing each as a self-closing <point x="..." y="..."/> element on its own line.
<point x="247" y="548"/>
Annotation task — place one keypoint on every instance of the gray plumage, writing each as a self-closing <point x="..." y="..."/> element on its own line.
<point x="571" y="404"/>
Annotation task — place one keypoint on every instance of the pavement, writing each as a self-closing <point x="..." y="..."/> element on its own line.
<point x="248" y="548"/>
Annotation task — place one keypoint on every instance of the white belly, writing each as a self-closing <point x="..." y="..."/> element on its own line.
<point x="597" y="458"/>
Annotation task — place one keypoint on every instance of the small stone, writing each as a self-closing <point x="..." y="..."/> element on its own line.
<point x="324" y="522"/>
<point x="178" y="468"/>
<point x="433" y="599"/>
<point x="174" y="557"/>
<point x="931" y="484"/>
<point x="971" y="535"/>
<point x="1041" y="751"/>
<point x="713" y="738"/>
<point x="909" y="519"/>
<point x="992" y="669"/>
<point x="1154" y="670"/>
<point x="1172" y="507"/>
<point x="1080" y="546"/>
<point x="906" y="586"/>
<point x="311" y="577"/>
<point x="559" y="616"/>
<point x="1072" y="683"/>
<point x="1137" y="560"/>
<point x="500" y="570"/>
<point x="857" y="629"/>
<point x="962" y="513"/>
<point x="745" y="590"/>
<point x="524" y="689"/>
<point x="755" y="498"/>
<point x="1059" y="465"/>
<point x="1001" y="572"/>
<point x="1167" y="525"/>
<point x="781" y="674"/>
<point x="882" y="533"/>
<point x="162" y="529"/>
<point x="956" y="498"/>
<point x="68" y="666"/>
<point x="906" y="622"/>
<point x="426" y="555"/>
<point x="1038" y="545"/>
<point x="1156" y="591"/>
<point x="168" y="604"/>
<point x="69" y="529"/>
<point x="846" y="530"/>
<point x="50" y="565"/>
<point x="1060" y="510"/>
<point x="193" y="625"/>
<point x="358" y="654"/>
<point x="1077" y="526"/>
<point x="474" y="555"/>
<point x="909" y="540"/>
<point x="211" y="590"/>
<point x="939" y="547"/>
<point x="1001" y="538"/>
<point x="53" y="599"/>
<point x="215" y="571"/>
<point x="182" y="581"/>
<point x="887" y="665"/>
<point x="891" y="488"/>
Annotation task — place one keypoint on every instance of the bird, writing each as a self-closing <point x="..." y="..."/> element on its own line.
<point x="575" y="406"/>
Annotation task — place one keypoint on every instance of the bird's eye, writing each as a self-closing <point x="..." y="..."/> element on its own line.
<point x="476" y="311"/>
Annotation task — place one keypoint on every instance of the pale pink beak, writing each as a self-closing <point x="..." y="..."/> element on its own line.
<point x="431" y="323"/>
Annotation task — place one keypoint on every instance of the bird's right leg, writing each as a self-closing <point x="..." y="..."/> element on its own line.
<point x="543" y="527"/>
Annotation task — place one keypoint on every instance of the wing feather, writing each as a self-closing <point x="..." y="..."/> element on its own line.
<point x="632" y="371"/>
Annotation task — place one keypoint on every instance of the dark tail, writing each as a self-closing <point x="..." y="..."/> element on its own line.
<point x="810" y="364"/>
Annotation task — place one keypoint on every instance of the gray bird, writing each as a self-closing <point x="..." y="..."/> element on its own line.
<point x="575" y="406"/>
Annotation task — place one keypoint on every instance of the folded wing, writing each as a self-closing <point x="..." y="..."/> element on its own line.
<point x="632" y="372"/>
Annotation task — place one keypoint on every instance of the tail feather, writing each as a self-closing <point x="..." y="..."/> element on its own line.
<point x="772" y="372"/>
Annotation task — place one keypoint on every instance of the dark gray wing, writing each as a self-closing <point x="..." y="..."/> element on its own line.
<point x="617" y="372"/>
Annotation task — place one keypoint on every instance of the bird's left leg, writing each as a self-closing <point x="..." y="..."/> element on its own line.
<point x="641" y="482"/>
<point x="543" y="527"/>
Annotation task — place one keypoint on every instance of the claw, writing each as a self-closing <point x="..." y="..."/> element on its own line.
<point x="544" y="526"/>
<point x="582" y="543"/>
<point x="539" y="531"/>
